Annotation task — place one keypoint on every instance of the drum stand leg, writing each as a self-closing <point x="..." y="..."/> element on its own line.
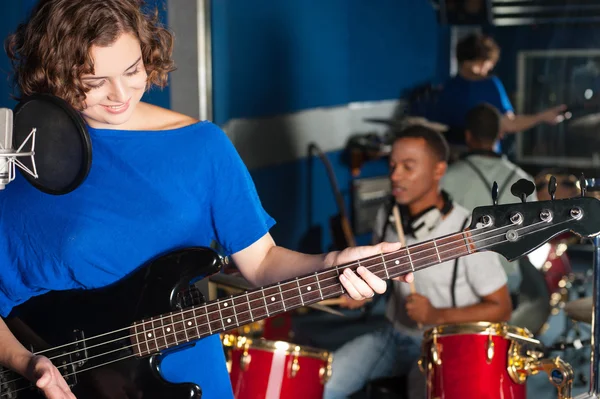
<point x="594" y="391"/>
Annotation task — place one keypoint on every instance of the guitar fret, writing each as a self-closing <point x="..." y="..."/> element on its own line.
<point x="164" y="333"/>
<point x="196" y="322"/>
<point x="436" y="251"/>
<point x="410" y="260"/>
<point x="466" y="243"/>
<point x="221" y="314"/>
<point x="384" y="266"/>
<point x="281" y="294"/>
<point x="300" y="291"/>
<point x="319" y="284"/>
<point x="174" y="330"/>
<point x="249" y="307"/>
<point x="207" y="320"/>
<point x="144" y="334"/>
<point x="184" y="328"/>
<point x="237" y="322"/>
<point x="157" y="335"/>
<point x="337" y="269"/>
<point x="265" y="301"/>
<point x="137" y="338"/>
<point x="154" y="333"/>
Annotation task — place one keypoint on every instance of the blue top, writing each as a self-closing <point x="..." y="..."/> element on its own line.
<point x="459" y="95"/>
<point x="147" y="193"/>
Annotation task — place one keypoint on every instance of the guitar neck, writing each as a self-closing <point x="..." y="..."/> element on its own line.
<point x="152" y="335"/>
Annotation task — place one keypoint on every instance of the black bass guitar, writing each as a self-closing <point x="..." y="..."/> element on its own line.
<point x="116" y="336"/>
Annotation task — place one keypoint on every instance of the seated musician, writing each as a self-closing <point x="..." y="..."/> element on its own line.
<point x="469" y="180"/>
<point x="468" y="290"/>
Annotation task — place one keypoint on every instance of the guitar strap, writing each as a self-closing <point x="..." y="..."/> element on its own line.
<point x="486" y="182"/>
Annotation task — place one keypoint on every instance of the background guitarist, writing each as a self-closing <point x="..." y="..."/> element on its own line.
<point x="471" y="289"/>
<point x="159" y="181"/>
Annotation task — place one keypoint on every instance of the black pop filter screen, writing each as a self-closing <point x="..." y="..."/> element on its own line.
<point x="63" y="152"/>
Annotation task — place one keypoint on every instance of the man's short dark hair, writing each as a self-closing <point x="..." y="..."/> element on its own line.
<point x="483" y="121"/>
<point x="475" y="47"/>
<point x="435" y="140"/>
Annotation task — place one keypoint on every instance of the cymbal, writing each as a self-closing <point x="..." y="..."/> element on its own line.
<point x="580" y="309"/>
<point x="239" y="283"/>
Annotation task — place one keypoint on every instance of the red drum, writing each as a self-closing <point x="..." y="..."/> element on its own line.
<point x="475" y="361"/>
<point x="261" y="369"/>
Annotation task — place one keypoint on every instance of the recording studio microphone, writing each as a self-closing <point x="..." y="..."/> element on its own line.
<point x="8" y="155"/>
<point x="6" y="128"/>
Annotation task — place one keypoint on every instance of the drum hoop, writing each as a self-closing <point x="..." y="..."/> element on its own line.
<point x="288" y="348"/>
<point x="481" y="328"/>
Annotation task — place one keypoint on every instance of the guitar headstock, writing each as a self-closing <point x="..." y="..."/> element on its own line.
<point x="514" y="230"/>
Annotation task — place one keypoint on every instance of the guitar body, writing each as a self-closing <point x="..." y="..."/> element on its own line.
<point x="66" y="317"/>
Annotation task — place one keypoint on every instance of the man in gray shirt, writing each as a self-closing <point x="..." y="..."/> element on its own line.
<point x="469" y="180"/>
<point x="471" y="289"/>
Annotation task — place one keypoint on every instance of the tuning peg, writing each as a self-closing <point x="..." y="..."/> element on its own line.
<point x="495" y="193"/>
<point x="582" y="184"/>
<point x="552" y="187"/>
<point x="522" y="189"/>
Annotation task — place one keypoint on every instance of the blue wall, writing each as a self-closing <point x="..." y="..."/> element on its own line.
<point x="16" y="11"/>
<point x="275" y="57"/>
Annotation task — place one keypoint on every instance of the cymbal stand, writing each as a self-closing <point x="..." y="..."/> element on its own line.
<point x="594" y="391"/>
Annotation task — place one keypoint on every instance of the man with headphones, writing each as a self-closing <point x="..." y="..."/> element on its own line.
<point x="471" y="289"/>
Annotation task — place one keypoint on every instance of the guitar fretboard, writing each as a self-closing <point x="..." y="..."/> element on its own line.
<point x="152" y="335"/>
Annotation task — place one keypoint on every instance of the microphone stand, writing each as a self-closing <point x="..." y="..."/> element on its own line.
<point x="594" y="391"/>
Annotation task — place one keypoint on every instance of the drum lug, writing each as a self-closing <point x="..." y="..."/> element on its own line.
<point x="295" y="367"/>
<point x="489" y="350"/>
<point x="435" y="354"/>
<point x="325" y="372"/>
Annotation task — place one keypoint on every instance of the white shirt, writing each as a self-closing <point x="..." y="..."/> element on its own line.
<point x="478" y="275"/>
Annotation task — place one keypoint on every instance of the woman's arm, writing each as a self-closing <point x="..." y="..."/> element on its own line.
<point x="264" y="263"/>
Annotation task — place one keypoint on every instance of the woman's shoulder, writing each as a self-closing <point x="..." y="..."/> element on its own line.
<point x="152" y="117"/>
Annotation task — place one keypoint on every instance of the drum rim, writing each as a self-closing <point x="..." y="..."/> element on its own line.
<point x="478" y="328"/>
<point x="241" y="341"/>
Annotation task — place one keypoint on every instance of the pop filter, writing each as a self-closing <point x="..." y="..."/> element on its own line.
<point x="63" y="149"/>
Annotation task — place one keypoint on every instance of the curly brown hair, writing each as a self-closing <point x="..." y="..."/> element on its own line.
<point x="51" y="52"/>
